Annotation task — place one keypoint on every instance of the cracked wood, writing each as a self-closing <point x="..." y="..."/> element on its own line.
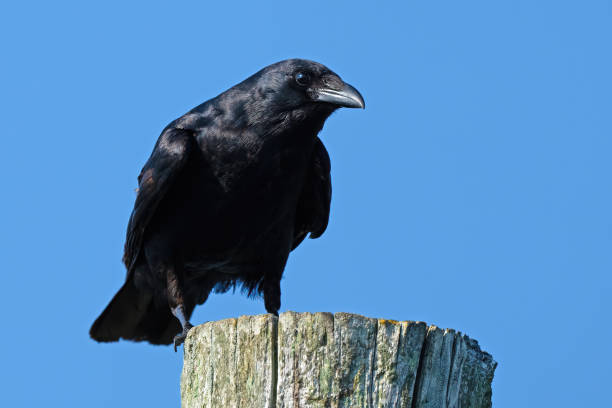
<point x="336" y="361"/>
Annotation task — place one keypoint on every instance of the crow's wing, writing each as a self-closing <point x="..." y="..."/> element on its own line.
<point x="169" y="156"/>
<point x="312" y="212"/>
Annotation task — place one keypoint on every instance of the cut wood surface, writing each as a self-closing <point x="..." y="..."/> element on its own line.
<point x="336" y="361"/>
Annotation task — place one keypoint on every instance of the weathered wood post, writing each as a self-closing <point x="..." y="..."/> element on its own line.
<point x="324" y="360"/>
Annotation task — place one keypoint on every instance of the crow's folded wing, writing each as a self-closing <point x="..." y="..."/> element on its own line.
<point x="169" y="156"/>
<point x="312" y="212"/>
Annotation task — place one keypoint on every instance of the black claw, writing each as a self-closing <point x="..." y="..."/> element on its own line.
<point x="180" y="338"/>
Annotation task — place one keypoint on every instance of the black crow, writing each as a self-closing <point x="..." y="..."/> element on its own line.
<point x="230" y="189"/>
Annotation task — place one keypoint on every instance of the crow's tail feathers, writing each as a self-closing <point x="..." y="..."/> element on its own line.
<point x="133" y="315"/>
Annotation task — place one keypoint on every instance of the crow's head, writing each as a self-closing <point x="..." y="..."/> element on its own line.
<point x="297" y="90"/>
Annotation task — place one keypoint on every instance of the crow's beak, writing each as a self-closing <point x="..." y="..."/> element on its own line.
<point x="347" y="97"/>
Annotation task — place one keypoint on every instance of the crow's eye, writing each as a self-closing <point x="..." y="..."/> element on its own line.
<point x="302" y="78"/>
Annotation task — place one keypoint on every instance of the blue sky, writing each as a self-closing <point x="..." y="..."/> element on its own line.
<point x="474" y="191"/>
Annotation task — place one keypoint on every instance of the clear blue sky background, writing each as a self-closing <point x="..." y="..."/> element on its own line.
<point x="474" y="192"/>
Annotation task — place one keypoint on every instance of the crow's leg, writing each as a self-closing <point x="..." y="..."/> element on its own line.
<point x="177" y="306"/>
<point x="272" y="294"/>
<point x="272" y="278"/>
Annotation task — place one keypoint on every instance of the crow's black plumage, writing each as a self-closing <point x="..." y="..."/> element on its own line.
<point x="230" y="189"/>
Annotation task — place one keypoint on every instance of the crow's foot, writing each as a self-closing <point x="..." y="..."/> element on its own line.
<point x="180" y="338"/>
